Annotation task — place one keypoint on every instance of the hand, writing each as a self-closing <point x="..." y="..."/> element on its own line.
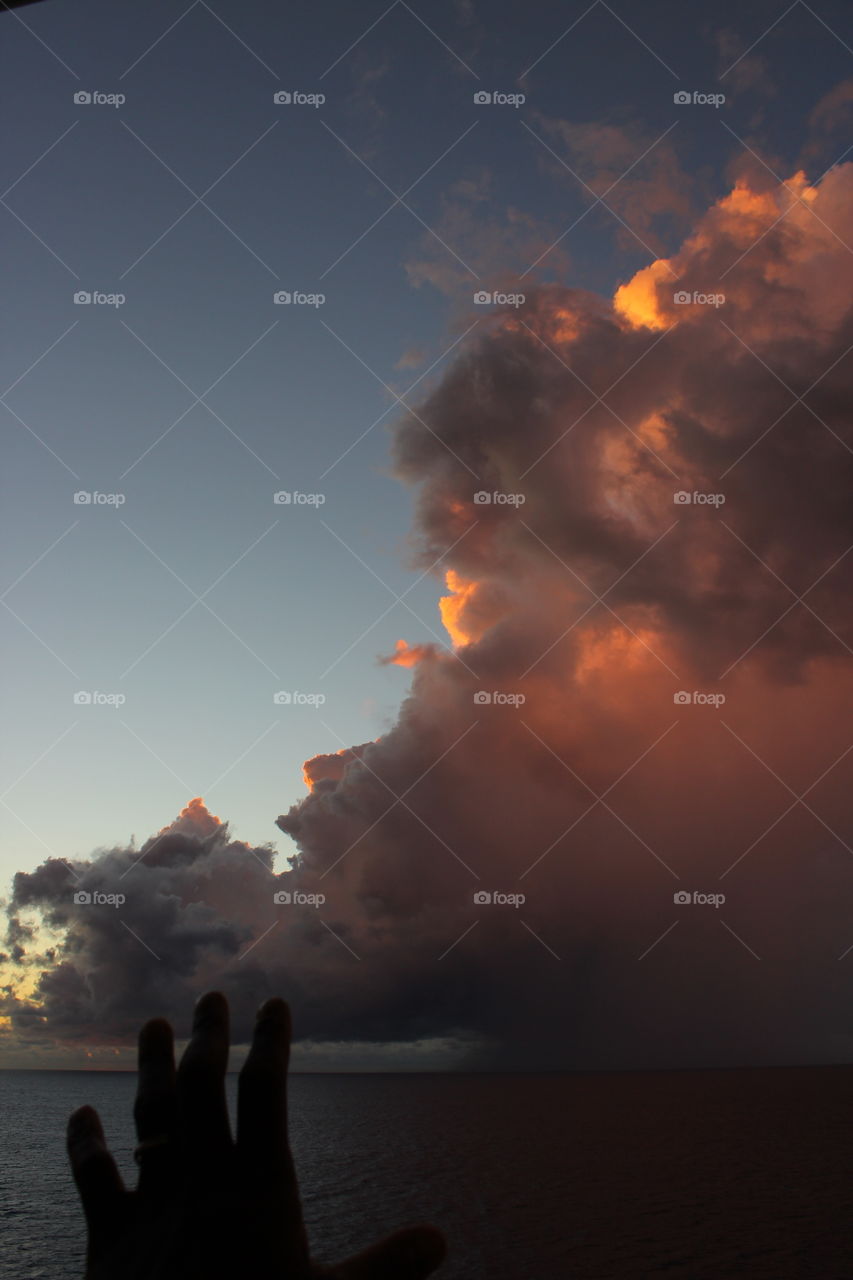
<point x="207" y="1207"/>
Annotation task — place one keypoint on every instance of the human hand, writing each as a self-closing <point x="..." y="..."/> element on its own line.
<point x="207" y="1207"/>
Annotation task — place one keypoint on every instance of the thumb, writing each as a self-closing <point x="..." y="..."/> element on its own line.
<point x="411" y="1254"/>
<point x="98" y="1180"/>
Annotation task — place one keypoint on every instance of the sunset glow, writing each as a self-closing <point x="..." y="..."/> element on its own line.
<point x="456" y="609"/>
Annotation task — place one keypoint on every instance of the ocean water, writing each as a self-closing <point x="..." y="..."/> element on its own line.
<point x="714" y="1174"/>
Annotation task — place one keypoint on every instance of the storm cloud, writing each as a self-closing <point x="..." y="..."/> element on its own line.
<point x="642" y="508"/>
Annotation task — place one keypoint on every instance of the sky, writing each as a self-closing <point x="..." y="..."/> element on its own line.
<point x="428" y="470"/>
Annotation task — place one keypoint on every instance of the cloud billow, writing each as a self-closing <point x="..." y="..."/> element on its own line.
<point x="667" y="513"/>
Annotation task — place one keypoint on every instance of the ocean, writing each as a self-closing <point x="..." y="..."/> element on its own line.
<point x="695" y="1174"/>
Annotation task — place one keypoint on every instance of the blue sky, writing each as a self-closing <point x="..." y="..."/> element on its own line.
<point x="102" y="198"/>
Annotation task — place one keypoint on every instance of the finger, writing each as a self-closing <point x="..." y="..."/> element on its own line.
<point x="202" y="1108"/>
<point x="95" y="1173"/>
<point x="263" y="1151"/>
<point x="406" y="1255"/>
<point x="262" y="1096"/>
<point x="155" y="1109"/>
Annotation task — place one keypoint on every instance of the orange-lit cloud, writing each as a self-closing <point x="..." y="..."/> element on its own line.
<point x="406" y="655"/>
<point x="452" y="609"/>
<point x="617" y="649"/>
<point x="471" y="608"/>
<point x="684" y="540"/>
<point x="195" y="817"/>
<point x="638" y="300"/>
<point x="732" y="228"/>
<point x="330" y="767"/>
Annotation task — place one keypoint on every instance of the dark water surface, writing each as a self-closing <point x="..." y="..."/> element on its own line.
<point x="677" y="1174"/>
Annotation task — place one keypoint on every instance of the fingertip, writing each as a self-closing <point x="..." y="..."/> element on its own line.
<point x="156" y="1034"/>
<point x="277" y="1011"/>
<point x="212" y="1007"/>
<point x="84" y="1135"/>
<point x="80" y="1125"/>
<point x="83" y="1115"/>
<point x="212" y="998"/>
<point x="83" y="1123"/>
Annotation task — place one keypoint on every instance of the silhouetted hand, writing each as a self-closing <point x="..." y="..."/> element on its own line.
<point x="206" y="1207"/>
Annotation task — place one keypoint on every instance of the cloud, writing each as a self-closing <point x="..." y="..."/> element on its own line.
<point x="411" y="358"/>
<point x="485" y="245"/>
<point x="741" y="72"/>
<point x="829" y="122"/>
<point x="406" y="655"/>
<point x="644" y="696"/>
<point x="636" y="175"/>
